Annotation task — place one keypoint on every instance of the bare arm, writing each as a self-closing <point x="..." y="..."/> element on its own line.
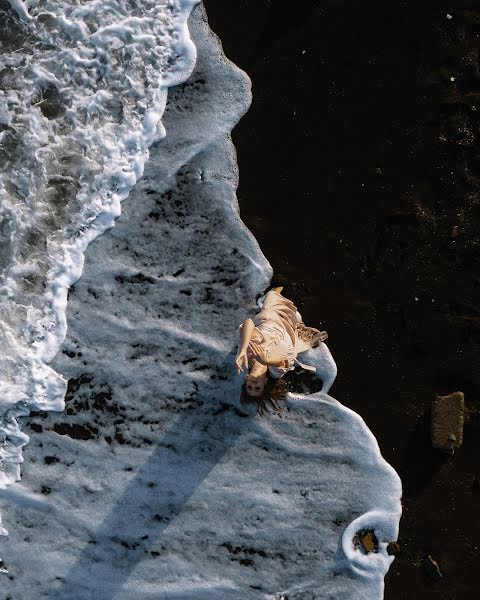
<point x="277" y="361"/>
<point x="247" y="330"/>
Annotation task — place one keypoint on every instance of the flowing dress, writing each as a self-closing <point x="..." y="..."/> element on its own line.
<point x="280" y="332"/>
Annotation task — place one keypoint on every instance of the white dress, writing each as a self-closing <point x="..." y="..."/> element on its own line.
<point x="280" y="332"/>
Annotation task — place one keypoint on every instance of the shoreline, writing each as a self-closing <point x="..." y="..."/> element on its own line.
<point x="364" y="144"/>
<point x="139" y="487"/>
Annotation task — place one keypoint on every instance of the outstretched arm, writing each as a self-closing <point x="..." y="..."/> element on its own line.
<point x="247" y="330"/>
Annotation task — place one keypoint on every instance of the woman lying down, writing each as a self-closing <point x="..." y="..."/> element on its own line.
<point x="269" y="346"/>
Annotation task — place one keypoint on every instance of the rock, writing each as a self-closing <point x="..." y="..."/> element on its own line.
<point x="393" y="548"/>
<point x="432" y="569"/>
<point x="447" y="417"/>
<point x="366" y="540"/>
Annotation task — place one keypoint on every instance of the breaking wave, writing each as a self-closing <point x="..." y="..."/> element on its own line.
<point x="83" y="88"/>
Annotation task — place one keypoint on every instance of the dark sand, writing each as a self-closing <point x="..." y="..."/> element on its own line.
<point x="359" y="176"/>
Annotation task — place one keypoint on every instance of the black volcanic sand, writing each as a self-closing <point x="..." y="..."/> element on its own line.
<point x="359" y="176"/>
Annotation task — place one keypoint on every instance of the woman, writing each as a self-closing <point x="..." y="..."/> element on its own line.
<point x="271" y="342"/>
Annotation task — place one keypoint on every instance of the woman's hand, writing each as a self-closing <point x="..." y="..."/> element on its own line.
<point x="275" y="360"/>
<point x="241" y="361"/>
<point x="258" y="352"/>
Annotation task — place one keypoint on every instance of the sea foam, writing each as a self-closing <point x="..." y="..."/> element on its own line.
<point x="155" y="483"/>
<point x="83" y="89"/>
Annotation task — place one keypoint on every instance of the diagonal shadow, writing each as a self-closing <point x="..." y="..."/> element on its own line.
<point x="194" y="444"/>
<point x="154" y="498"/>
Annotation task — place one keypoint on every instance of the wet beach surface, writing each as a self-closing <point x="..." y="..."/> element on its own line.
<point x="154" y="481"/>
<point x="359" y="177"/>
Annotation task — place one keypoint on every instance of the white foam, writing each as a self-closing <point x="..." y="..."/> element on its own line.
<point x="174" y="492"/>
<point x="84" y="91"/>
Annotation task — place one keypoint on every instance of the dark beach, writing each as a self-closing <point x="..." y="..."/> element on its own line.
<point x="359" y="177"/>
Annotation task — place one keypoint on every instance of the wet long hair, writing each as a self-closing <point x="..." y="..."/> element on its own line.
<point x="270" y="401"/>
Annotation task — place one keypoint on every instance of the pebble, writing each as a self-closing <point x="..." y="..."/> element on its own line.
<point x="393" y="548"/>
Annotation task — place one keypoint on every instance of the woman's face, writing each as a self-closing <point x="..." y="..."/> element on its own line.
<point x="254" y="385"/>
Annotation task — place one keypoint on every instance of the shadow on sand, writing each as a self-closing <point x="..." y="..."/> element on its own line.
<point x="154" y="498"/>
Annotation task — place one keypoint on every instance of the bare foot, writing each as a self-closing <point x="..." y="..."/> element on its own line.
<point x="319" y="337"/>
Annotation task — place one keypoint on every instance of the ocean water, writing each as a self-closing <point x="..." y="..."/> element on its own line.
<point x="83" y="86"/>
<point x="154" y="482"/>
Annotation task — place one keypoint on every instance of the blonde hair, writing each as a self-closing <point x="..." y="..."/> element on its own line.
<point x="273" y="393"/>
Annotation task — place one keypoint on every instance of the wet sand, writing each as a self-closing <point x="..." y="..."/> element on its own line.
<point x="359" y="177"/>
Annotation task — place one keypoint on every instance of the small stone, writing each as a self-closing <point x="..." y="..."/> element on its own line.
<point x="393" y="548"/>
<point x="446" y="423"/>
<point x="366" y="540"/>
<point x="432" y="569"/>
